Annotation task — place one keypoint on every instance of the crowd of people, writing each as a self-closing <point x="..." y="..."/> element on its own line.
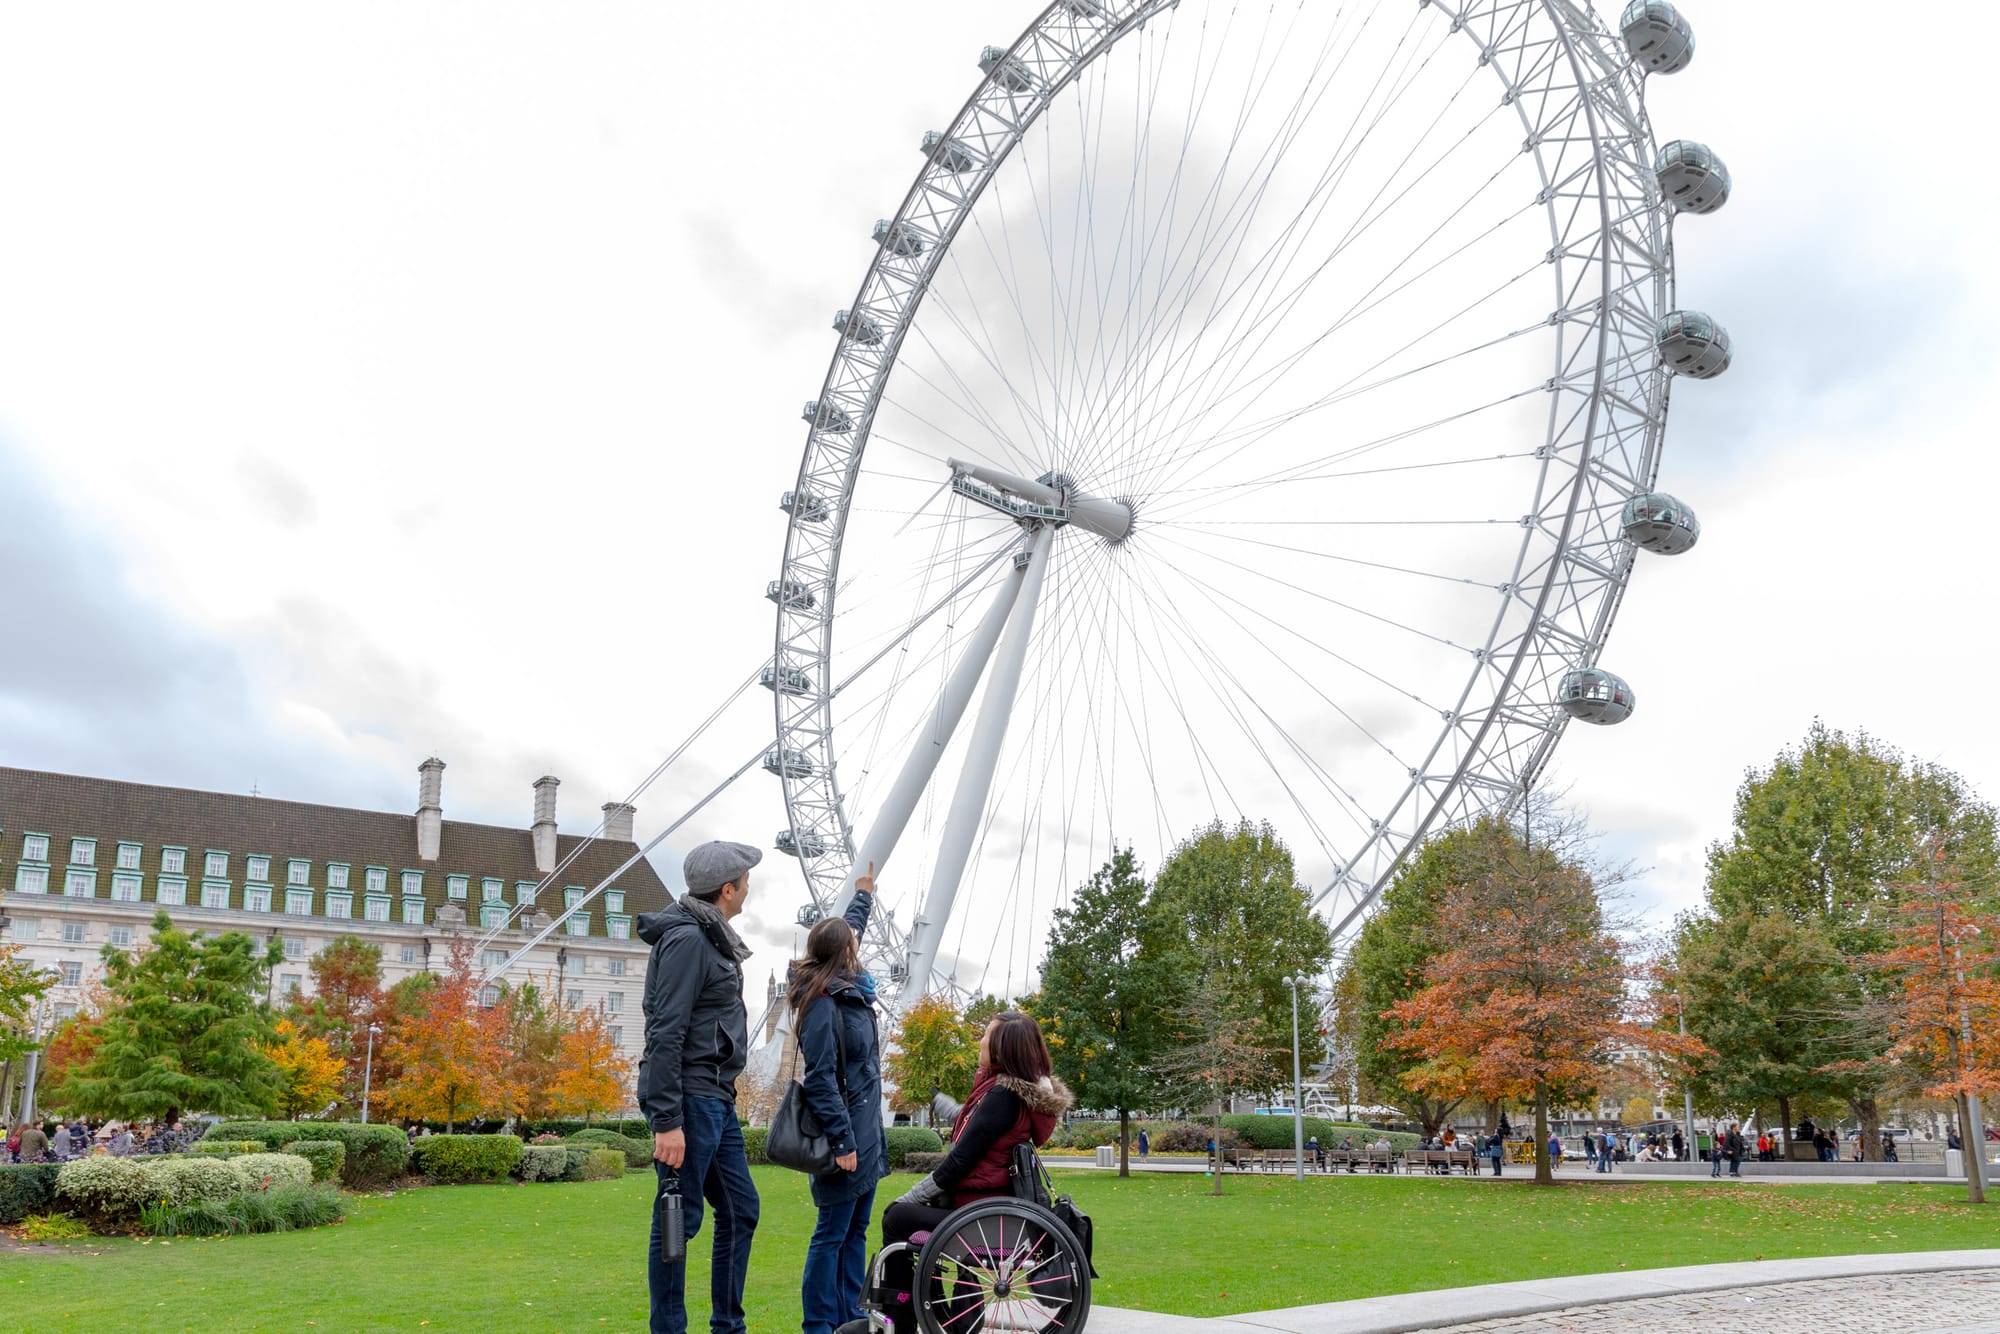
<point x="59" y="1141"/>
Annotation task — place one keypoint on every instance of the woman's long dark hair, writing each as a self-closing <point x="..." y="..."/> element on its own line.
<point x="831" y="950"/>
<point x="1016" y="1047"/>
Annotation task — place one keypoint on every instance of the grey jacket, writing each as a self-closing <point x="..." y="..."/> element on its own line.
<point x="697" y="1031"/>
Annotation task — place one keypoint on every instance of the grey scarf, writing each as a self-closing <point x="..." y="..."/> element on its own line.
<point x="715" y="923"/>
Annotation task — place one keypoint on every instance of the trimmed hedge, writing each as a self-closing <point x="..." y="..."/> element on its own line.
<point x="273" y="1171"/>
<point x="107" y="1188"/>
<point x="576" y="1157"/>
<point x="26" y="1188"/>
<point x="375" y="1154"/>
<point x="227" y="1148"/>
<point x="637" y="1152"/>
<point x="325" y="1155"/>
<point x="184" y="1180"/>
<point x="922" y="1162"/>
<point x="753" y="1143"/>
<point x="543" y="1162"/>
<point x="603" y="1165"/>
<point x="906" y="1140"/>
<point x="458" y="1158"/>
<point x="632" y="1127"/>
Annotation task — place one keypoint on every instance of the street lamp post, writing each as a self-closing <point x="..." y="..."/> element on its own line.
<point x="1687" y="1094"/>
<point x="35" y="1052"/>
<point x="1298" y="1102"/>
<point x="368" y="1070"/>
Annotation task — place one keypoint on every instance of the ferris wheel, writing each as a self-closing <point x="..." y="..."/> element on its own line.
<point x="1260" y="409"/>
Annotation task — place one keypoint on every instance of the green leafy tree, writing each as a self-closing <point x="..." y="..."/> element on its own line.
<point x="935" y="1049"/>
<point x="186" y="1029"/>
<point x="1825" y="836"/>
<point x="21" y="985"/>
<point x="1097" y="1005"/>
<point x="1218" y="1052"/>
<point x="1388" y="962"/>
<point x="1774" y="1001"/>
<point x="1227" y="909"/>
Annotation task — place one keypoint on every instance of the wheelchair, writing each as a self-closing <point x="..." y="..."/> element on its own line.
<point x="1001" y="1264"/>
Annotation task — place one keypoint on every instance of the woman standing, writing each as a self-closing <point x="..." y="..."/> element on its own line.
<point x="1016" y="1099"/>
<point x="833" y="1015"/>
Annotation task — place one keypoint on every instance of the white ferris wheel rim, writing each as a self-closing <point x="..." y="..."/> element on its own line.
<point x="1580" y="104"/>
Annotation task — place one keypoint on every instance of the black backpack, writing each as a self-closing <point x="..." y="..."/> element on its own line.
<point x="1031" y="1184"/>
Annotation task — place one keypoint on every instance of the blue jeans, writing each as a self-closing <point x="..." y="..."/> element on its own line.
<point x="716" y="1160"/>
<point x="836" y="1265"/>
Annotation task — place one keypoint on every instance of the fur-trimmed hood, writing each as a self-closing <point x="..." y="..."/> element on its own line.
<point x="1048" y="1095"/>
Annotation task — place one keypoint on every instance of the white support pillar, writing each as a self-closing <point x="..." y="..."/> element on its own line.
<point x="902" y="800"/>
<point x="975" y="782"/>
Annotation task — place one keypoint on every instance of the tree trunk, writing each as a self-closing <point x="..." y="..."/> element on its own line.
<point x="1871" y="1128"/>
<point x="1218" y="1148"/>
<point x="1785" y="1129"/>
<point x="1974" y="1154"/>
<point x="1544" y="1173"/>
<point x="1124" y="1143"/>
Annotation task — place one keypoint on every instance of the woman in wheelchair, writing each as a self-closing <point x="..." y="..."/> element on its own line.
<point x="962" y="1239"/>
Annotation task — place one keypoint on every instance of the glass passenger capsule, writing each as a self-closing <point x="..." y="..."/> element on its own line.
<point x="1661" y="523"/>
<point x="1594" y="695"/>
<point x="1658" y="38"/>
<point x="827" y="417"/>
<point x="858" y="328"/>
<point x="1692" y="177"/>
<point x="948" y="153"/>
<point x="898" y="238"/>
<point x="785" y="680"/>
<point x="810" y="914"/>
<point x="1006" y="71"/>
<point x="791" y="763"/>
<point x="791" y="593"/>
<point x="804" y="506"/>
<point x="805" y="845"/>
<point x="1694" y="345"/>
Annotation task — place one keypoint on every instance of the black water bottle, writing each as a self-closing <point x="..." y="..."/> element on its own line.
<point x="673" y="1227"/>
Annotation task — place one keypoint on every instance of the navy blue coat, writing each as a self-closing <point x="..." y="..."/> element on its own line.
<point x="853" y="1121"/>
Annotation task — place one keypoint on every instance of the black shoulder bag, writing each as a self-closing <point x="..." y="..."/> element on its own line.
<point x="796" y="1138"/>
<point x="1031" y="1184"/>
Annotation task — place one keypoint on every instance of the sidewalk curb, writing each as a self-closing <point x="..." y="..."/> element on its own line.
<point x="1497" y="1301"/>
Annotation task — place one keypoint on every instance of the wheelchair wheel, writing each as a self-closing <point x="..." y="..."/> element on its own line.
<point x="1002" y="1265"/>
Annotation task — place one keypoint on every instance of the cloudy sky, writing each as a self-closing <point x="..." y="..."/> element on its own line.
<point x="379" y="380"/>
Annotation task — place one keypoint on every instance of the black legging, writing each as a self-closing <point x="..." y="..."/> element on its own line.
<point x="899" y="1223"/>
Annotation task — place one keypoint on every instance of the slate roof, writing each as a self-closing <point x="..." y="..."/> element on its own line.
<point x="66" y="806"/>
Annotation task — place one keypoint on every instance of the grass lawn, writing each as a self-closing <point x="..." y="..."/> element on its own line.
<point x="491" y="1259"/>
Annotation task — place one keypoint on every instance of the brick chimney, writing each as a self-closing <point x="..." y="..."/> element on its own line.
<point x="430" y="808"/>
<point x="618" y="821"/>
<point x="545" y="823"/>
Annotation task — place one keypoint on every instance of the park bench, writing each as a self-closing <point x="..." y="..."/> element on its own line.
<point x="1442" y="1159"/>
<point x="1282" y="1160"/>
<point x="1236" y="1158"/>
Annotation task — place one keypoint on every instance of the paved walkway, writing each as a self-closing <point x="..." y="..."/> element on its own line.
<point x="1930" y="1292"/>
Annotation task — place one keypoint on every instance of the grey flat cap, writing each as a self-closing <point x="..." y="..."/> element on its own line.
<point x="713" y="865"/>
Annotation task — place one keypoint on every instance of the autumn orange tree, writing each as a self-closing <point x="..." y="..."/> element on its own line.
<point x="935" y="1048"/>
<point x="310" y="1071"/>
<point x="346" y="998"/>
<point x="589" y="1074"/>
<point x="449" y="1052"/>
<point x="1530" y="989"/>
<point x="1942" y="1007"/>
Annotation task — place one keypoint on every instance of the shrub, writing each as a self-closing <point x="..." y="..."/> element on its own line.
<point x="257" y="1211"/>
<point x="457" y="1158"/>
<point x="308" y="1205"/>
<point x="54" y="1227"/>
<point x="375" y="1154"/>
<point x="226" y="1148"/>
<point x="546" y="1138"/>
<point x="200" y="1218"/>
<point x="545" y="1162"/>
<point x="637" y="1152"/>
<point x="26" y="1188"/>
<point x="603" y="1165"/>
<point x="632" y="1127"/>
<point x="325" y="1155"/>
<point x="1088" y="1135"/>
<point x="921" y="1162"/>
<point x="184" y="1180"/>
<point x="271" y="1171"/>
<point x="753" y="1143"/>
<point x="905" y="1140"/>
<point x="575" y="1159"/>
<point x="106" y="1188"/>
